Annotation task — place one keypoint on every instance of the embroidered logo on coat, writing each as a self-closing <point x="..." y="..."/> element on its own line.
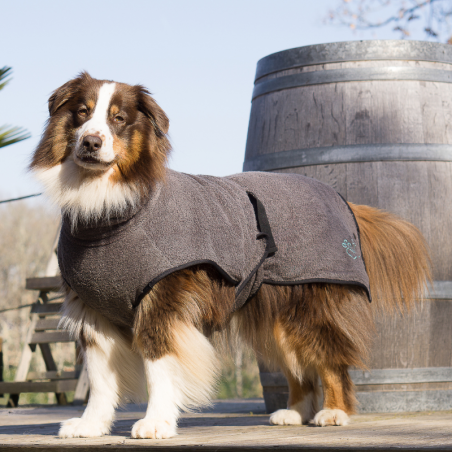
<point x="350" y="248"/>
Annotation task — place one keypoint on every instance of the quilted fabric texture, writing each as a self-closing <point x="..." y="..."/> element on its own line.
<point x="204" y="219"/>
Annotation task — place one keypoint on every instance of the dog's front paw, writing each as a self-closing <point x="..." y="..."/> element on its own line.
<point x="153" y="429"/>
<point x="81" y="428"/>
<point x="330" y="417"/>
<point x="285" y="417"/>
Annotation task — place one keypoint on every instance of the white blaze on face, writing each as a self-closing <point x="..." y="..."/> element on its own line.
<point x="98" y="125"/>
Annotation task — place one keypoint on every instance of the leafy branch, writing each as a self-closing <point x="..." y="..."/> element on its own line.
<point x="10" y="135"/>
<point x="4" y="72"/>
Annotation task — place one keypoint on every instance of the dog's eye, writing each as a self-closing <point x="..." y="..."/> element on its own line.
<point x="83" y="112"/>
<point x="119" y="119"/>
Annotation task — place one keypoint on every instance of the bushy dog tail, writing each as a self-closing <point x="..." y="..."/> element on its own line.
<point x="396" y="256"/>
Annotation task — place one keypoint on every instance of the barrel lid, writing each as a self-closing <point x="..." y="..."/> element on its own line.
<point x="336" y="52"/>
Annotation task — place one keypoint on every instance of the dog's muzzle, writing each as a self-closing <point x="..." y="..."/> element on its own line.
<point x="89" y="151"/>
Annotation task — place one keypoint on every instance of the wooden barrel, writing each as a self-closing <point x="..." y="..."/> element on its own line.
<point x="373" y="119"/>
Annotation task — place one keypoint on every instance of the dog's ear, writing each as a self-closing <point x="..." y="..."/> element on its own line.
<point x="149" y="107"/>
<point x="61" y="95"/>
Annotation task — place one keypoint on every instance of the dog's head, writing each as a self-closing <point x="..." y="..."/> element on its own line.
<point x="104" y="147"/>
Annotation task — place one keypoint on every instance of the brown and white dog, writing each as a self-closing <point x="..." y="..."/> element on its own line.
<point x="104" y="148"/>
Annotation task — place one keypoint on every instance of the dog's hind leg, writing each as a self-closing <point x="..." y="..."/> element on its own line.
<point x="304" y="391"/>
<point x="115" y="371"/>
<point x="333" y="331"/>
<point x="317" y="329"/>
<point x="303" y="401"/>
<point x="338" y="397"/>
<point x="278" y="346"/>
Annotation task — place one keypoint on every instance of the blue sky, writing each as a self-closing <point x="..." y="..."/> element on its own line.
<point x="198" y="58"/>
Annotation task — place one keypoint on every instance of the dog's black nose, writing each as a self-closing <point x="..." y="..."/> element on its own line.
<point x="91" y="143"/>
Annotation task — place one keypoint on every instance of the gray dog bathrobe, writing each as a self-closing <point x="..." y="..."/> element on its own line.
<point x="252" y="227"/>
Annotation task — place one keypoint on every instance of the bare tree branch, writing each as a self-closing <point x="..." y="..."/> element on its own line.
<point x="432" y="17"/>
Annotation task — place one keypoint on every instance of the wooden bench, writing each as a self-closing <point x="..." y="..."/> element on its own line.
<point x="43" y="331"/>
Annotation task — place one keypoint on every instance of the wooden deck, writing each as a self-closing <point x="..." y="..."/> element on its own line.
<point x="230" y="426"/>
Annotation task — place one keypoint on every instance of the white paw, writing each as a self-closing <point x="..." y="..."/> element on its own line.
<point x="285" y="417"/>
<point x="81" y="428"/>
<point x="154" y="429"/>
<point x="331" y="417"/>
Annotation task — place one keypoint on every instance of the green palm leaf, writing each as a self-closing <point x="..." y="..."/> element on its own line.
<point x="12" y="135"/>
<point x="4" y="72"/>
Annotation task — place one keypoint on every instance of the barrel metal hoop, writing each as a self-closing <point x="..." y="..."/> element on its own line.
<point x="351" y="75"/>
<point x="378" y="376"/>
<point x="404" y="401"/>
<point x="349" y="154"/>
<point x="402" y="376"/>
<point x="338" y="52"/>
<point x="441" y="290"/>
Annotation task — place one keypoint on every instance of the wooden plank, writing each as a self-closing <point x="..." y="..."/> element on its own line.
<point x="231" y="426"/>
<point x="57" y="386"/>
<point x="45" y="284"/>
<point x="51" y="366"/>
<point x="82" y="388"/>
<point x="362" y="183"/>
<point x="50" y="337"/>
<point x="276" y="400"/>
<point x="1" y="362"/>
<point x="439" y="185"/>
<point x="418" y="346"/>
<point x="440" y="335"/>
<point x="420" y="192"/>
<point x="25" y="358"/>
<point x="435" y="108"/>
<point x="52" y="264"/>
<point x="47" y="324"/>
<point x="47" y="309"/>
<point x="273" y="379"/>
<point x="48" y="358"/>
<point x="53" y="375"/>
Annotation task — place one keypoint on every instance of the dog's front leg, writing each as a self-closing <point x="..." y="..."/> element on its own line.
<point x="165" y="400"/>
<point x="114" y="370"/>
<point x="180" y="366"/>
